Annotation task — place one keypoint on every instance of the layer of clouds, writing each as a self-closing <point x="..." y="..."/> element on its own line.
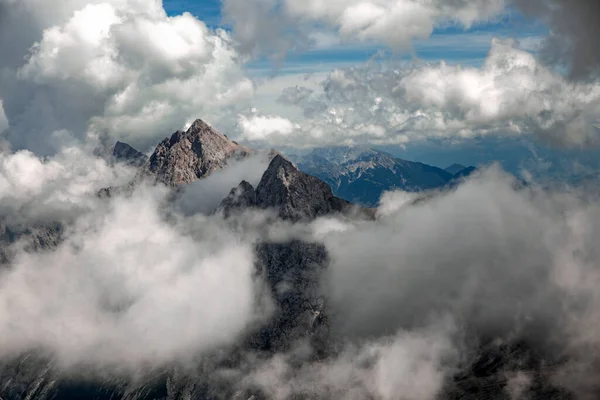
<point x="409" y="296"/>
<point x="129" y="288"/>
<point x="277" y="26"/>
<point x="204" y="196"/>
<point x="412" y="364"/>
<point x="34" y="190"/>
<point x="124" y="70"/>
<point x="574" y="27"/>
<point x="117" y="68"/>
<point x="512" y="93"/>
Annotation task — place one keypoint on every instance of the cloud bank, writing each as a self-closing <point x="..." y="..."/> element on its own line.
<point x="127" y="288"/>
<point x="277" y="26"/>
<point x="121" y="69"/>
<point x="107" y="70"/>
<point x="139" y="283"/>
<point x="512" y="93"/>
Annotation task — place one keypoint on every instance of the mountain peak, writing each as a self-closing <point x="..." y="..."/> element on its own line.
<point x="294" y="194"/>
<point x="188" y="156"/>
<point x="123" y="152"/>
<point x="280" y="162"/>
<point x="455" y="168"/>
<point x="239" y="198"/>
<point x="199" y="124"/>
<point x="202" y="129"/>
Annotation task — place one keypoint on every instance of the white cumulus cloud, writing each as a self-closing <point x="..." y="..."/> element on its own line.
<point x="117" y="68"/>
<point x="261" y="128"/>
<point x="512" y="93"/>
<point x="275" y="26"/>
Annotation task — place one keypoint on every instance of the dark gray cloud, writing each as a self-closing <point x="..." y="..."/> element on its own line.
<point x="574" y="32"/>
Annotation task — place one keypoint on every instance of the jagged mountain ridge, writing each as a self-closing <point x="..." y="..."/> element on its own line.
<point x="356" y="174"/>
<point x="191" y="155"/>
<point x="283" y="187"/>
<point x="122" y="152"/>
<point x="361" y="175"/>
<point x="454" y="168"/>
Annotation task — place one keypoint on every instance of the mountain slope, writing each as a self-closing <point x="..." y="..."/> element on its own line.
<point x="454" y="168"/>
<point x="191" y="155"/>
<point x="283" y="187"/>
<point x="361" y="175"/>
<point x="122" y="152"/>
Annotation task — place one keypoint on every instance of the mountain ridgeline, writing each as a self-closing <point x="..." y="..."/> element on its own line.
<point x="361" y="175"/>
<point x="358" y="175"/>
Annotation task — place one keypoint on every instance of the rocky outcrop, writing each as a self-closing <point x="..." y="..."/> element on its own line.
<point x="239" y="198"/>
<point x="31" y="238"/>
<point x="294" y="195"/>
<point x="122" y="152"/>
<point x="292" y="269"/>
<point x="180" y="159"/>
<point x="191" y="155"/>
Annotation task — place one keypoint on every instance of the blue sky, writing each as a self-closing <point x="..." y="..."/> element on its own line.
<point x="208" y="11"/>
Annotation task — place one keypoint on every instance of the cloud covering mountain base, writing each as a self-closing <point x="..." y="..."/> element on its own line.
<point x="488" y="289"/>
<point x="488" y="281"/>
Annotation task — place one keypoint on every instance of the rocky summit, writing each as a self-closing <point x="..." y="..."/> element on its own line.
<point x="188" y="156"/>
<point x="283" y="187"/>
<point x="122" y="152"/>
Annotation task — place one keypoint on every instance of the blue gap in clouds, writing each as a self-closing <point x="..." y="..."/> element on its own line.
<point x="208" y="11"/>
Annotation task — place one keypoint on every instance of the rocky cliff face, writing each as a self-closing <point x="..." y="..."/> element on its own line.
<point x="191" y="155"/>
<point x="292" y="193"/>
<point x="122" y="152"/>
<point x="295" y="265"/>
<point x="180" y="159"/>
<point x="32" y="238"/>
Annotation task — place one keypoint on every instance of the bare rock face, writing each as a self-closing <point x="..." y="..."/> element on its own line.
<point x="295" y="195"/>
<point x="33" y="238"/>
<point x="188" y="156"/>
<point x="292" y="270"/>
<point x="239" y="198"/>
<point x="122" y="152"/>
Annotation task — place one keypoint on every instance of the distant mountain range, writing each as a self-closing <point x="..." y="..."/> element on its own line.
<point x="361" y="175"/>
<point x="358" y="175"/>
